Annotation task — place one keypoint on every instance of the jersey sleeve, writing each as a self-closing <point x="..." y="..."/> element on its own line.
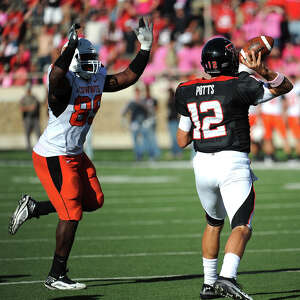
<point x="249" y="89"/>
<point x="180" y="105"/>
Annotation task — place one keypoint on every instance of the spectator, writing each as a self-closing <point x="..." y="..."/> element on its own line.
<point x="53" y="12"/>
<point x="293" y="113"/>
<point x="273" y="18"/>
<point x="96" y="28"/>
<point x="173" y="121"/>
<point x="292" y="9"/>
<point x="224" y="18"/>
<point x="151" y="106"/>
<point x="273" y="118"/>
<point x="45" y="47"/>
<point x="256" y="132"/>
<point x="138" y="115"/>
<point x="145" y="7"/>
<point x="30" y="108"/>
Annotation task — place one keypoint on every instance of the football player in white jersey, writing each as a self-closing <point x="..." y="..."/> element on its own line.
<point x="214" y="116"/>
<point x="76" y="82"/>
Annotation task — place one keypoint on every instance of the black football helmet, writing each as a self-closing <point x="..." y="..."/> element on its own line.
<point x="219" y="57"/>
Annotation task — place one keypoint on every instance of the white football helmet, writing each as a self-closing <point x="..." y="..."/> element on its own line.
<point x="85" y="60"/>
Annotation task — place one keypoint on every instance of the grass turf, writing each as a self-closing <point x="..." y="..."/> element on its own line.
<point x="145" y="243"/>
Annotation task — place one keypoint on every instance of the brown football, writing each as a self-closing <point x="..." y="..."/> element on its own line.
<point x="261" y="43"/>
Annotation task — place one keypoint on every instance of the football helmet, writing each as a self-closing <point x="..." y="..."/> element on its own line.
<point x="219" y="57"/>
<point x="85" y="60"/>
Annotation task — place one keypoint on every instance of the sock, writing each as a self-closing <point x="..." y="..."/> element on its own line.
<point x="43" y="208"/>
<point x="59" y="265"/>
<point x="210" y="270"/>
<point x="230" y="265"/>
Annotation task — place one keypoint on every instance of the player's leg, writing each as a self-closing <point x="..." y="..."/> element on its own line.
<point x="93" y="197"/>
<point x="27" y="128"/>
<point x="28" y="207"/>
<point x="135" y="133"/>
<point x="211" y="201"/>
<point x="239" y="199"/>
<point x="210" y="252"/>
<point x="281" y="128"/>
<point x="268" y="133"/>
<point x="294" y="127"/>
<point x="62" y="182"/>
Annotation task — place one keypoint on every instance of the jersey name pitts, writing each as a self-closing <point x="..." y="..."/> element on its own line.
<point x="205" y="90"/>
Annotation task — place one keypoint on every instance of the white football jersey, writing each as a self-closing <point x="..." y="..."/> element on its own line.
<point x="293" y="98"/>
<point x="66" y="134"/>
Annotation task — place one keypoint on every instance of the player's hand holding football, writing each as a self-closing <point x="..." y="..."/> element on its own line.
<point x="255" y="63"/>
<point x="73" y="36"/>
<point x="144" y="33"/>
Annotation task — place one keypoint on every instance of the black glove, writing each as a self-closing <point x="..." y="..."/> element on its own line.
<point x="72" y="35"/>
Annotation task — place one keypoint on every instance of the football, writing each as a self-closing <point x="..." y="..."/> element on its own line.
<point x="263" y="44"/>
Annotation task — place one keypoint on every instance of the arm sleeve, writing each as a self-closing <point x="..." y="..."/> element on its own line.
<point x="185" y="123"/>
<point x="180" y="105"/>
<point x="249" y="89"/>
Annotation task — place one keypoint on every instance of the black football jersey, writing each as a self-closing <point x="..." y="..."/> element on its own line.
<point x="218" y="109"/>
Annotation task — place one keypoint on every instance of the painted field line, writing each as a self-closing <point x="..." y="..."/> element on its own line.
<point x="144" y="254"/>
<point x="184" y="164"/>
<point x="147" y="210"/>
<point x="107" y="279"/>
<point x="144" y="237"/>
<point x="124" y="278"/>
<point x="159" y="222"/>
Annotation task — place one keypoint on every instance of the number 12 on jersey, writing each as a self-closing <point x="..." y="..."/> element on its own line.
<point x="203" y="129"/>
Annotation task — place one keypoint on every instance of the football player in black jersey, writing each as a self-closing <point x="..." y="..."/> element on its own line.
<point x="214" y="115"/>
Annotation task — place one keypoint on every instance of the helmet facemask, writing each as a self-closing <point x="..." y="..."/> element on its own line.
<point x="85" y="61"/>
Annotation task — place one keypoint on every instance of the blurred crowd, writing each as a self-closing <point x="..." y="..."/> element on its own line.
<point x="33" y="32"/>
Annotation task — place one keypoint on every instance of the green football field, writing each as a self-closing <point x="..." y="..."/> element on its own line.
<point x="145" y="243"/>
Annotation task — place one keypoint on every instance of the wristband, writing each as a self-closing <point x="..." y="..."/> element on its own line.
<point x="277" y="81"/>
<point x="139" y="63"/>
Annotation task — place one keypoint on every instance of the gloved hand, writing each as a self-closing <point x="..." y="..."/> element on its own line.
<point x="144" y="33"/>
<point x="72" y="35"/>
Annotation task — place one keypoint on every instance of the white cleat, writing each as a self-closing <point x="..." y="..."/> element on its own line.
<point x="22" y="213"/>
<point x="63" y="283"/>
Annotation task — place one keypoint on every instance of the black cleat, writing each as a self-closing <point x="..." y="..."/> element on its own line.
<point x="208" y="292"/>
<point x="23" y="212"/>
<point x="228" y="287"/>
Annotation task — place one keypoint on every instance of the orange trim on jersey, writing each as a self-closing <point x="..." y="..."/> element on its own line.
<point x="201" y="80"/>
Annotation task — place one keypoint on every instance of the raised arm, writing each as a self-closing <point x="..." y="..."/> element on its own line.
<point x="278" y="84"/>
<point x="136" y="68"/>
<point x="59" y="87"/>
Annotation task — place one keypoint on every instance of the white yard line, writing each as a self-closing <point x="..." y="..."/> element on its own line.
<point x="144" y="254"/>
<point x="142" y="237"/>
<point x="184" y="164"/>
<point x="147" y="210"/>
